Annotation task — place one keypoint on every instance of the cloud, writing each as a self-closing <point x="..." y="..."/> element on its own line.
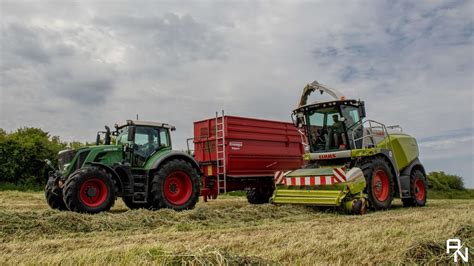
<point x="70" y="68"/>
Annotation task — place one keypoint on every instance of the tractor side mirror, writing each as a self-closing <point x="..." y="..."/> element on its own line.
<point x="173" y="128"/>
<point x="97" y="139"/>
<point x="131" y="133"/>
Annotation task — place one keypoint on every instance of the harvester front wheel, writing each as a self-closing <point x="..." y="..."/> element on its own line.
<point x="54" y="201"/>
<point x="89" y="190"/>
<point x="259" y="196"/>
<point x="380" y="185"/>
<point x="417" y="190"/>
<point x="176" y="186"/>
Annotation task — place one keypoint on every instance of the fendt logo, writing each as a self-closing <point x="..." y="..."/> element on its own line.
<point x="455" y="244"/>
<point x="327" y="156"/>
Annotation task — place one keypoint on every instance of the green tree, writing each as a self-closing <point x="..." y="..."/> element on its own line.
<point x="21" y="153"/>
<point x="445" y="182"/>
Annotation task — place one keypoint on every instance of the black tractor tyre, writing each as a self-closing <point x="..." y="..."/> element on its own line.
<point x="176" y="186"/>
<point x="417" y="190"/>
<point x="380" y="184"/>
<point x="89" y="190"/>
<point x="54" y="201"/>
<point x="259" y="196"/>
<point x="133" y="206"/>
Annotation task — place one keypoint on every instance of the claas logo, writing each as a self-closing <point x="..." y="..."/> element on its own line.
<point x="327" y="156"/>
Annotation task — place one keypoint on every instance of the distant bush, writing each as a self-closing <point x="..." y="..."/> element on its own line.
<point x="22" y="153"/>
<point x="444" y="182"/>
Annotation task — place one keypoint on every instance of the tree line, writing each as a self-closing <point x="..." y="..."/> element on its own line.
<point x="22" y="153"/>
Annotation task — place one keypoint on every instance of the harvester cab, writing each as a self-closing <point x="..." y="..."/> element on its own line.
<point x="351" y="162"/>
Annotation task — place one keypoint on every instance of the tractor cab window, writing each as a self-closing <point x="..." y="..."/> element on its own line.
<point x="326" y="129"/>
<point x="164" y="137"/>
<point x="146" y="141"/>
<point x="122" y="136"/>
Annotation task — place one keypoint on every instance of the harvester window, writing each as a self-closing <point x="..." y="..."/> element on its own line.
<point x="326" y="130"/>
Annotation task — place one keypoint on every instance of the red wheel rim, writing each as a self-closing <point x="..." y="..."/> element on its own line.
<point x="93" y="192"/>
<point x="178" y="188"/>
<point x="419" y="190"/>
<point x="380" y="185"/>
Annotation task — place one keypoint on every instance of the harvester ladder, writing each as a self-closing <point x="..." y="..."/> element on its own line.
<point x="220" y="152"/>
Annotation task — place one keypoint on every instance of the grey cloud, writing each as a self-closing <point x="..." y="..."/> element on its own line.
<point x="171" y="39"/>
<point x="78" y="67"/>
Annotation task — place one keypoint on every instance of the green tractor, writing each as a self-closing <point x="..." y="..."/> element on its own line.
<point x="351" y="162"/>
<point x="141" y="168"/>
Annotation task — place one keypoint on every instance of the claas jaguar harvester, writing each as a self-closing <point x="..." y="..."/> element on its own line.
<point x="351" y="162"/>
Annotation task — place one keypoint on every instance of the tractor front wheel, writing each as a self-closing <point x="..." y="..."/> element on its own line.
<point x="176" y="186"/>
<point x="89" y="190"/>
<point x="380" y="186"/>
<point x="54" y="198"/>
<point x="417" y="190"/>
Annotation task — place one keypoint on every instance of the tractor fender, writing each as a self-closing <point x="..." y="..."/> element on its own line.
<point x="114" y="175"/>
<point x="177" y="155"/>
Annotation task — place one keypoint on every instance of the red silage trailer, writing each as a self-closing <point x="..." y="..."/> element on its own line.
<point x="238" y="153"/>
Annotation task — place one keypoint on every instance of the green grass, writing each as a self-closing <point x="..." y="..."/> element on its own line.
<point x="229" y="230"/>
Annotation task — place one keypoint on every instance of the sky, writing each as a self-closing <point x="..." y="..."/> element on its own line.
<point x="72" y="67"/>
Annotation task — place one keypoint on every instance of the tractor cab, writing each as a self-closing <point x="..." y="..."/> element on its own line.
<point x="142" y="139"/>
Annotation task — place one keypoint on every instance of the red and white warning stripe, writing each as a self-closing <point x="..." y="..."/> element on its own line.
<point x="340" y="174"/>
<point x="280" y="177"/>
<point x="338" y="177"/>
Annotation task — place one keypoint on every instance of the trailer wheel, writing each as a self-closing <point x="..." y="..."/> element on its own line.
<point x="379" y="180"/>
<point x="259" y="196"/>
<point x="133" y="206"/>
<point x="89" y="190"/>
<point x="176" y="186"/>
<point x="54" y="201"/>
<point x="417" y="190"/>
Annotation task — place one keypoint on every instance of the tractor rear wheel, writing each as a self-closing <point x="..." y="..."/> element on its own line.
<point x="54" y="201"/>
<point x="176" y="186"/>
<point x="417" y="190"/>
<point x="259" y="196"/>
<point x="133" y="206"/>
<point x="89" y="190"/>
<point x="380" y="186"/>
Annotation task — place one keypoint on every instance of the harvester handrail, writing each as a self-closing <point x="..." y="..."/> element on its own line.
<point x="371" y="135"/>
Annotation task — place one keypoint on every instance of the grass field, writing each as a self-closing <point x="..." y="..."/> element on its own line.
<point x="229" y="230"/>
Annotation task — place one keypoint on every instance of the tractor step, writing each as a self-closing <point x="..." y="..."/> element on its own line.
<point x="140" y="189"/>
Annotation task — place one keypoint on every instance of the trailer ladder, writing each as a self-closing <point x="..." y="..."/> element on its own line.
<point x="220" y="153"/>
